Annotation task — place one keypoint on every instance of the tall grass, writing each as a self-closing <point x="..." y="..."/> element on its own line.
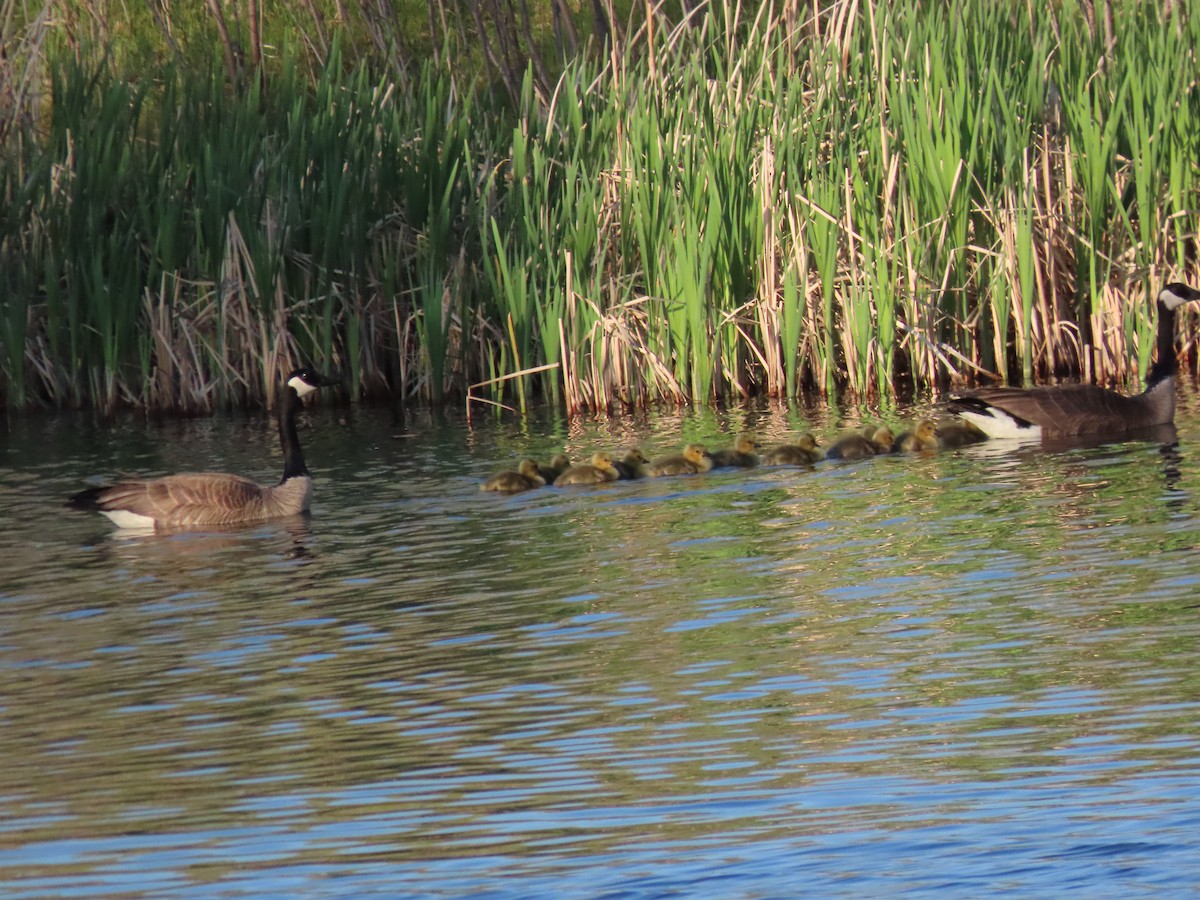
<point x="871" y="201"/>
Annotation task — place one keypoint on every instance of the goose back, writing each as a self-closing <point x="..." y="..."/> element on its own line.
<point x="192" y="499"/>
<point x="1069" y="409"/>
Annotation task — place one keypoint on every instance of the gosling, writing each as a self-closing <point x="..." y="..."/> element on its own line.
<point x="923" y="437"/>
<point x="559" y="464"/>
<point x="525" y="478"/>
<point x="598" y="471"/>
<point x="632" y="465"/>
<point x="694" y="460"/>
<point x="872" y="441"/>
<point x="802" y="453"/>
<point x="741" y="455"/>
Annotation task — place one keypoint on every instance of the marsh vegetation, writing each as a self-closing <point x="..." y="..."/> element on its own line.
<point x="747" y="199"/>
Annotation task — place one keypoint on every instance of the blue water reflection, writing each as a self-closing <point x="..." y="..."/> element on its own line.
<point x="967" y="673"/>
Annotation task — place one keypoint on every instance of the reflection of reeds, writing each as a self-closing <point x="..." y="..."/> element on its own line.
<point x="879" y="198"/>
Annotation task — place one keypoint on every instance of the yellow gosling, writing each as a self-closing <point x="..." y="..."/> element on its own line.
<point x="525" y="478"/>
<point x="694" y="459"/>
<point x="632" y="465"/>
<point x="598" y="471"/>
<point x="857" y="445"/>
<point x="922" y="438"/>
<point x="959" y="434"/>
<point x="804" y="452"/>
<point x="741" y="455"/>
<point x="557" y="466"/>
<point x="882" y="438"/>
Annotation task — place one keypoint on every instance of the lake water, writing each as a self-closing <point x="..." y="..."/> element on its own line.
<point x="973" y="672"/>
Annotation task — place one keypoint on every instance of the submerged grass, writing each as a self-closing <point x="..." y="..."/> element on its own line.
<point x="864" y="201"/>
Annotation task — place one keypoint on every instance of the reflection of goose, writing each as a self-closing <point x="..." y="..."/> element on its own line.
<point x="598" y="471"/>
<point x="741" y="454"/>
<point x="870" y="442"/>
<point x="557" y="466"/>
<point x="802" y="453"/>
<point x="1085" y="408"/>
<point x="632" y="465"/>
<point x="693" y="460"/>
<point x="198" y="499"/>
<point x="923" y="437"/>
<point x="526" y="478"/>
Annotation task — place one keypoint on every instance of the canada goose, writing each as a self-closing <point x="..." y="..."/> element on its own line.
<point x="598" y="471"/>
<point x="1085" y="408"/>
<point x="741" y="454"/>
<point x="196" y="499"/>
<point x="632" y="465"/>
<point x="559" y="464"/>
<point x="693" y="460"/>
<point x="959" y="433"/>
<point x="871" y="441"/>
<point x="526" y="478"/>
<point x="802" y="453"/>
<point x="923" y="437"/>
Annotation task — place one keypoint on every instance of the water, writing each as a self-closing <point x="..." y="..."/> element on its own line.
<point x="973" y="672"/>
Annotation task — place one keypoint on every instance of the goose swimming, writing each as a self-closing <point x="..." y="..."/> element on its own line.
<point x="525" y="478"/>
<point x="598" y="471"/>
<point x="741" y="454"/>
<point x="1085" y="408"/>
<point x="923" y="437"/>
<point x="804" y="452"/>
<point x="197" y="499"/>
<point x="694" y="459"/>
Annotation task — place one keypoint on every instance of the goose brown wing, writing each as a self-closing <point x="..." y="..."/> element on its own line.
<point x="1065" y="409"/>
<point x="186" y="499"/>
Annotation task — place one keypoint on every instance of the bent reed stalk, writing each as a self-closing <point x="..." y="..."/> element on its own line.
<point x="867" y="202"/>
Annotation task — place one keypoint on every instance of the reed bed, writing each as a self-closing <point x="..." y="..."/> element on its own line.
<point x="867" y="202"/>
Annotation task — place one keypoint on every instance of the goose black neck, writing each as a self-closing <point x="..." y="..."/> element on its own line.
<point x="289" y="440"/>
<point x="1167" y="364"/>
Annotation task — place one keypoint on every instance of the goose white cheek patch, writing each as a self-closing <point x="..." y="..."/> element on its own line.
<point x="300" y="386"/>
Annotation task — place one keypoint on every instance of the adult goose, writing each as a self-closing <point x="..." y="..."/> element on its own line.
<point x="1065" y="410"/>
<point x="198" y="499"/>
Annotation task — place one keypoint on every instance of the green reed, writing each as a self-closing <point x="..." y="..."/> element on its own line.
<point x="884" y="198"/>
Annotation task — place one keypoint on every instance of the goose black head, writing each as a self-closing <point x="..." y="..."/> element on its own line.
<point x="1175" y="294"/>
<point x="304" y="381"/>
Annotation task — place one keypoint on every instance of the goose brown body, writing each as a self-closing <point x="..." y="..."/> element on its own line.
<point x="199" y="499"/>
<point x="196" y="499"/>
<point x="1079" y="409"/>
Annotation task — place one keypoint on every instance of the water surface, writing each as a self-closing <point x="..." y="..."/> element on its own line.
<point x="968" y="672"/>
